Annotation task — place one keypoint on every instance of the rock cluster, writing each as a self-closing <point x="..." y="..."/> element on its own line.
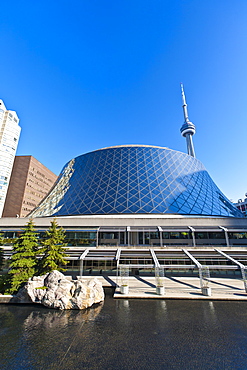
<point x="55" y="291"/>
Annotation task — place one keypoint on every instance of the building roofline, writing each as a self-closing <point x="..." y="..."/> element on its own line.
<point x="131" y="146"/>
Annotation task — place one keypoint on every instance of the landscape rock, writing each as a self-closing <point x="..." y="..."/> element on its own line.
<point x="55" y="291"/>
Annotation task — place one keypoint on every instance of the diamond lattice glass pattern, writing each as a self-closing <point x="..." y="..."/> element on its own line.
<point x="136" y="179"/>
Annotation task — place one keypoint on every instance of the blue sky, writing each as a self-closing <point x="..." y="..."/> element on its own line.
<point x="83" y="75"/>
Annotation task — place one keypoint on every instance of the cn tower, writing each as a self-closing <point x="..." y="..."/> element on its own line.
<point x="188" y="129"/>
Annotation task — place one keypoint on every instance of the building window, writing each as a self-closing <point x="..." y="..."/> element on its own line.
<point x="238" y="235"/>
<point x="216" y="235"/>
<point x="201" y="235"/>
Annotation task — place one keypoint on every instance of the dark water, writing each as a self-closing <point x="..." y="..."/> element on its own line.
<point x="122" y="334"/>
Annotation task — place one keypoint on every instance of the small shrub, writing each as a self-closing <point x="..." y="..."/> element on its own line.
<point x="5" y="283"/>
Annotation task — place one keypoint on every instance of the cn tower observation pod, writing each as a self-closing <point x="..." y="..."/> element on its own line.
<point x="135" y="179"/>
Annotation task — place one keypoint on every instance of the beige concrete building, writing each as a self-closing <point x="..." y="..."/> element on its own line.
<point x="29" y="183"/>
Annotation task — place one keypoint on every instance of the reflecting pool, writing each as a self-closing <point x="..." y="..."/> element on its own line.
<point x="126" y="334"/>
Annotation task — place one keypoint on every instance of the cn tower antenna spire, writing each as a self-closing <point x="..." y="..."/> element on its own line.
<point x="186" y="116"/>
<point x="188" y="129"/>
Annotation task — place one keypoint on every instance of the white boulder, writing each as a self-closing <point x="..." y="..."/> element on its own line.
<point x="55" y="291"/>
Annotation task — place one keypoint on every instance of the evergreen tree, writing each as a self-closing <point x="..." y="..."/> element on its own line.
<point x="23" y="260"/>
<point x="1" y="250"/>
<point x="53" y="249"/>
<point x="4" y="279"/>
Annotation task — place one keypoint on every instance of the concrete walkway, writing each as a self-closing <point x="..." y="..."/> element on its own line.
<point x="177" y="288"/>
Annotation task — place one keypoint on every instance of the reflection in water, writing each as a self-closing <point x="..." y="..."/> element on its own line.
<point x="125" y="303"/>
<point x="212" y="310"/>
<point x="126" y="334"/>
<point x="52" y="319"/>
<point x="42" y="333"/>
<point x="163" y="305"/>
<point x="210" y="313"/>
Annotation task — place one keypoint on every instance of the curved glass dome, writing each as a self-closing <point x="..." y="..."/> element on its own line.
<point x="137" y="179"/>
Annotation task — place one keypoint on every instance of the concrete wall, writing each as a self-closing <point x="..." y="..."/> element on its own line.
<point x="128" y="220"/>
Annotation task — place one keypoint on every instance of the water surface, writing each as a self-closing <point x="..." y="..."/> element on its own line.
<point x="126" y="334"/>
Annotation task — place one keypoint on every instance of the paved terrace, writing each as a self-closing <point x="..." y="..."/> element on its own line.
<point x="177" y="288"/>
<point x="223" y="261"/>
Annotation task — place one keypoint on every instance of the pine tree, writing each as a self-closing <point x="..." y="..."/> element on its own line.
<point x="23" y="260"/>
<point x="53" y="249"/>
<point x="1" y="250"/>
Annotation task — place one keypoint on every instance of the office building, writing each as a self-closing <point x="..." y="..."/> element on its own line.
<point x="9" y="137"/>
<point x="29" y="184"/>
<point x="242" y="205"/>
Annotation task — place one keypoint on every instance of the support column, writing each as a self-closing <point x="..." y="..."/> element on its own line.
<point x="82" y="256"/>
<point x="118" y="256"/>
<point x="81" y="267"/>
<point x="226" y="235"/>
<point x="193" y="235"/>
<point x="204" y="274"/>
<point x="97" y="237"/>
<point x="128" y="235"/>
<point x="161" y="240"/>
<point x="155" y="259"/>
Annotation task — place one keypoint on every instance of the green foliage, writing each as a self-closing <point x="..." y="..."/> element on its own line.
<point x="1" y="239"/>
<point x="42" y="287"/>
<point x="23" y="260"/>
<point x="53" y="249"/>
<point x="1" y="251"/>
<point x="5" y="283"/>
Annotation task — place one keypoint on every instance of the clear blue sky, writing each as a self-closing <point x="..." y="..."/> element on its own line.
<point x="83" y="75"/>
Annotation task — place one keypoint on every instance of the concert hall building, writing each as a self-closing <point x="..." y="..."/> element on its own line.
<point x="141" y="205"/>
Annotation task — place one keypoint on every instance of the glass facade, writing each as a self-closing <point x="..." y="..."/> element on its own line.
<point x="135" y="180"/>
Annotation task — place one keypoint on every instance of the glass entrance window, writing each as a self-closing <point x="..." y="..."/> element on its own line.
<point x="201" y="235"/>
<point x="219" y="235"/>
<point x="80" y="238"/>
<point x="147" y="238"/>
<point x="122" y="241"/>
<point x="114" y="235"/>
<point x="184" y="235"/>
<point x="154" y="235"/>
<point x="109" y="235"/>
<point x="176" y="235"/>
<point x="238" y="235"/>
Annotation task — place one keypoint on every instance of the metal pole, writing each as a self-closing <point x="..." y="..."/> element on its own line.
<point x="242" y="267"/>
<point x="82" y="256"/>
<point x="155" y="259"/>
<point x="81" y="267"/>
<point x="193" y="235"/>
<point x="199" y="266"/>
<point x="128" y="235"/>
<point x="97" y="238"/>
<point x="161" y="240"/>
<point x="226" y="235"/>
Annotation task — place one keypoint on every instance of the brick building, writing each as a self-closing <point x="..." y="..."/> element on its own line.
<point x="29" y="183"/>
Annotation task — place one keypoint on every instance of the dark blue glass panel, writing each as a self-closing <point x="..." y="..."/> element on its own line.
<point x="135" y="179"/>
